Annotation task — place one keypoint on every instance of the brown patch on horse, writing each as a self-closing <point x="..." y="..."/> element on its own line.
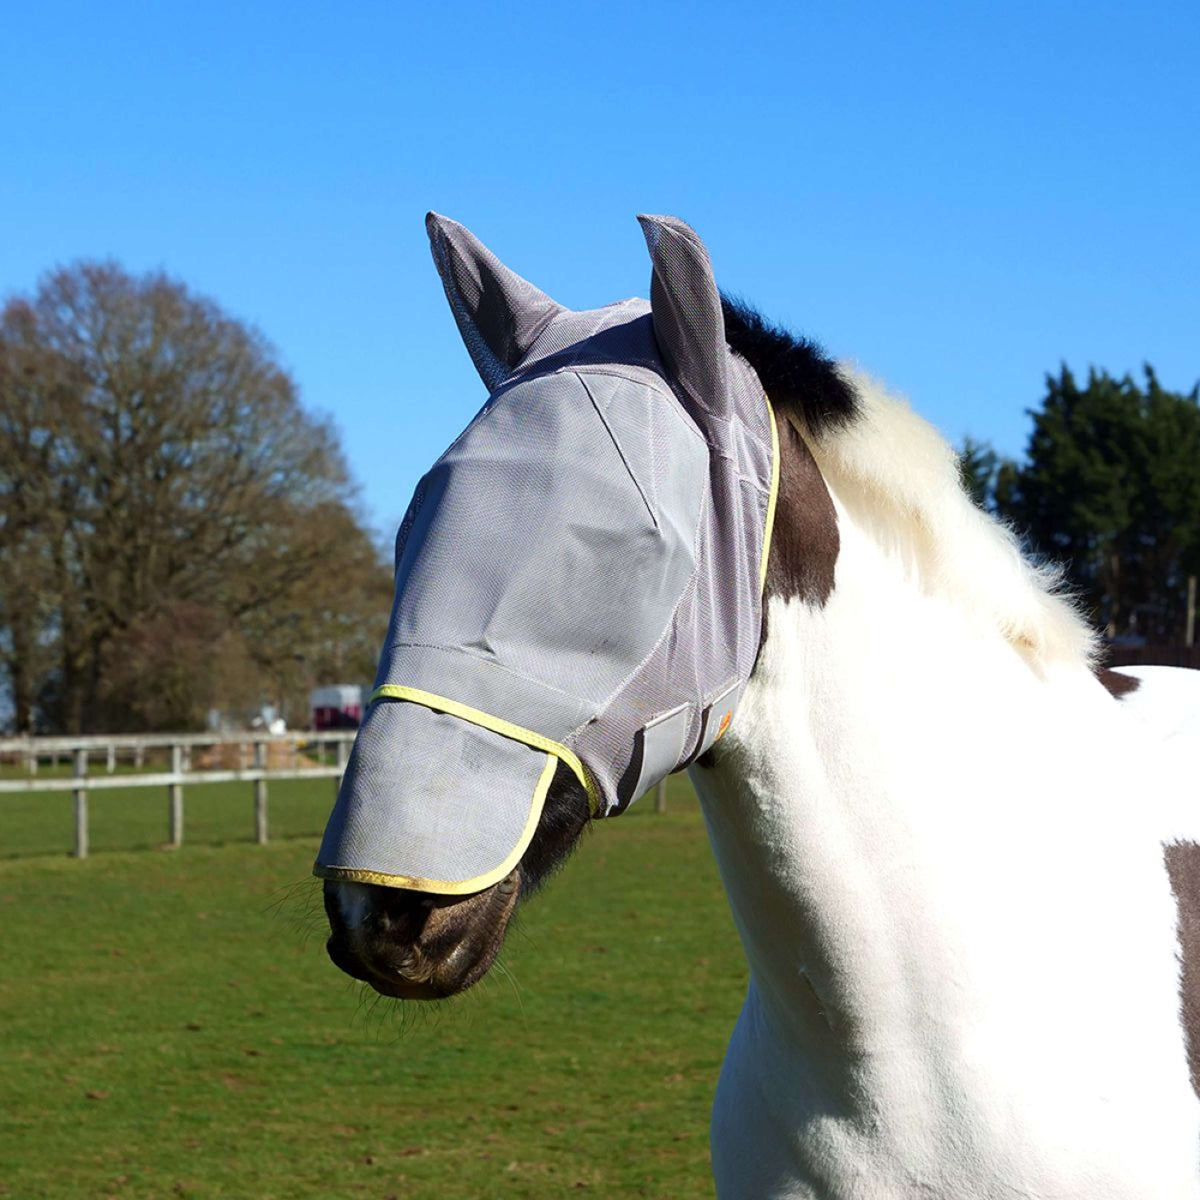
<point x="1118" y="685"/>
<point x="805" y="542"/>
<point x="1183" y="866"/>
<point x="804" y="383"/>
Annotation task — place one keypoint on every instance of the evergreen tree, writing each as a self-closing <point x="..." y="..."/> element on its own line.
<point x="1110" y="488"/>
<point x="978" y="465"/>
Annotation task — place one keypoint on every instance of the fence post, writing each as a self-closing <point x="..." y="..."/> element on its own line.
<point x="175" y="799"/>
<point x="660" y="797"/>
<point x="81" y="806"/>
<point x="33" y="759"/>
<point x="260" y="797"/>
<point x="112" y="759"/>
<point x="139" y="756"/>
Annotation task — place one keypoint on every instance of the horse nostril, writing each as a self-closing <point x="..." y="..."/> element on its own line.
<point x="347" y="905"/>
<point x="398" y="915"/>
<point x="372" y="926"/>
<point x="342" y="956"/>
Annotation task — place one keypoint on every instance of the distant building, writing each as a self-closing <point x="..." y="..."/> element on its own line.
<point x="339" y="706"/>
<point x="230" y="720"/>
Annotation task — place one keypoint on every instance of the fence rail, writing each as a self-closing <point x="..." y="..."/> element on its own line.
<point x="32" y="750"/>
<point x="56" y="744"/>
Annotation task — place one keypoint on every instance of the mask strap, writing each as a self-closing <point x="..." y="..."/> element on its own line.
<point x="771" y="498"/>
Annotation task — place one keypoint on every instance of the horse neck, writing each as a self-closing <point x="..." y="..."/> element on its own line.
<point x="913" y="828"/>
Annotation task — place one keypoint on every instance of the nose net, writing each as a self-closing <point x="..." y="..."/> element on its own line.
<point x="435" y="841"/>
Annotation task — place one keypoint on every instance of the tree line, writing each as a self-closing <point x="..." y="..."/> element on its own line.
<point x="1110" y="488"/>
<point x="176" y="532"/>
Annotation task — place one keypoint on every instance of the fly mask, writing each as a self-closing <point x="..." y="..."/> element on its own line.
<point x="578" y="578"/>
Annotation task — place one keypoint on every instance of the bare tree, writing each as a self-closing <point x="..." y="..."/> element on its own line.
<point x="159" y="474"/>
<point x="39" y="396"/>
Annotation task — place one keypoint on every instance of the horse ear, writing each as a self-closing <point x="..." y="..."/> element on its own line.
<point x="686" y="307"/>
<point x="499" y="314"/>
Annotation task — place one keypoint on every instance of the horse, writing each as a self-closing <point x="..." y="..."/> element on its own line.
<point x="958" y="879"/>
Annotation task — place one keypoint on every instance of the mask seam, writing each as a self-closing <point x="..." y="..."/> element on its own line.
<point x="492" y="662"/>
<point x="612" y="437"/>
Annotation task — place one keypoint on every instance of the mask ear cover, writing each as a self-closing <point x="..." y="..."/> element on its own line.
<point x="499" y="314"/>
<point x="688" y="322"/>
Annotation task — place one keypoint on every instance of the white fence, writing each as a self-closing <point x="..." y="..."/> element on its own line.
<point x="254" y="752"/>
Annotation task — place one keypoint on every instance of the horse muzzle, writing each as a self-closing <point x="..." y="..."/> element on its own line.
<point x="417" y="945"/>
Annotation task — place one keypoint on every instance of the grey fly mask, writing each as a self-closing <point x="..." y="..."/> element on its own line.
<point x="578" y="578"/>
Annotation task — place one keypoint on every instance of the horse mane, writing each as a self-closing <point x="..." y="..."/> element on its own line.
<point x="901" y="478"/>
<point x="794" y="371"/>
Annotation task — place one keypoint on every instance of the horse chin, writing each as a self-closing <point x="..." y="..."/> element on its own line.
<point x="416" y="945"/>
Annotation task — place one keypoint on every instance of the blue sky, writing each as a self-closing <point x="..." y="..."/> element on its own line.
<point x="957" y="196"/>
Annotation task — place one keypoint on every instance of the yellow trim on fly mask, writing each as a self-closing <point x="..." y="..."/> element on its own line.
<point x="452" y="887"/>
<point x="768" y="528"/>
<point x="397" y="691"/>
<point x="771" y="498"/>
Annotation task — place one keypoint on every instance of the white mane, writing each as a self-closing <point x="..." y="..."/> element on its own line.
<point x="901" y="478"/>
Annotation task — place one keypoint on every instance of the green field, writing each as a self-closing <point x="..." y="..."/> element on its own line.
<point x="171" y="1026"/>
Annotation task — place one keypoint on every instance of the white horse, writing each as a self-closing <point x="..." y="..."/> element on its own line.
<point x="944" y="849"/>
<point x="944" y="841"/>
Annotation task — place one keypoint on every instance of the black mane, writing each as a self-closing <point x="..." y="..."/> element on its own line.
<point x="795" y="372"/>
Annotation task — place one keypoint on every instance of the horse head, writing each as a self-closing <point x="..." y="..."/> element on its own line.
<point x="578" y="602"/>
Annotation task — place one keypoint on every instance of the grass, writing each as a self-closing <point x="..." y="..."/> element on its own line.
<point x="171" y="1027"/>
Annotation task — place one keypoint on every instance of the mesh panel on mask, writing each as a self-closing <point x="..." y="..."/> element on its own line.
<point x="555" y="538"/>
